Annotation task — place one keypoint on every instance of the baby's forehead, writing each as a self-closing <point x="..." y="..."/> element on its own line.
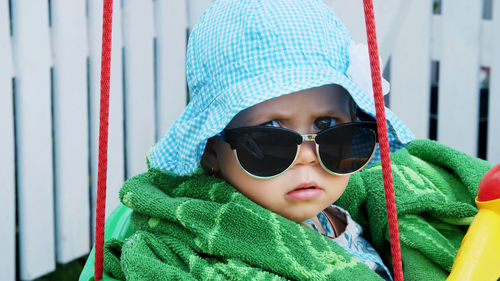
<point x="328" y="100"/>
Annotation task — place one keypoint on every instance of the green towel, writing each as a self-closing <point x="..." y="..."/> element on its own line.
<point x="196" y="227"/>
<point x="435" y="187"/>
<point x="200" y="228"/>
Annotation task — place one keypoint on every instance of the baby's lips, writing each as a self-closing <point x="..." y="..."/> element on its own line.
<point x="489" y="187"/>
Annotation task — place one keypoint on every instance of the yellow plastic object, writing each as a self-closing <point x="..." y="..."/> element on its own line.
<point x="479" y="256"/>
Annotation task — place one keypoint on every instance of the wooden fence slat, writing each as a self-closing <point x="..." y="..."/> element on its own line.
<point x="7" y="180"/>
<point x="33" y="136"/>
<point x="72" y="214"/>
<point x="116" y="155"/>
<point x="436" y="37"/>
<point x="194" y="10"/>
<point x="171" y="26"/>
<point x="138" y="26"/>
<point x="493" y="152"/>
<point x="410" y="69"/>
<point x="487" y="45"/>
<point x="459" y="75"/>
<point x="116" y="162"/>
<point x="389" y="15"/>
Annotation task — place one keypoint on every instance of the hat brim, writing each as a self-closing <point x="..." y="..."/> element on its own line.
<point x="180" y="150"/>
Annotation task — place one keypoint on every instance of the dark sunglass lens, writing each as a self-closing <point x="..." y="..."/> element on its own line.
<point x="346" y="149"/>
<point x="266" y="153"/>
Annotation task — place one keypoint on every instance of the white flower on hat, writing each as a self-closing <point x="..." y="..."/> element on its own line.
<point x="359" y="70"/>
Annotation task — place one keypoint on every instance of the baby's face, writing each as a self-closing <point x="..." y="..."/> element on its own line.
<point x="305" y="112"/>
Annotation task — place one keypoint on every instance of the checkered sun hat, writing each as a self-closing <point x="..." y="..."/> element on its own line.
<point x="243" y="52"/>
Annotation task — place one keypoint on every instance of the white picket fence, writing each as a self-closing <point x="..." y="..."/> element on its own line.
<point x="49" y="85"/>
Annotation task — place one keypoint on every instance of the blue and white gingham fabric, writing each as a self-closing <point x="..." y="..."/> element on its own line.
<point x="243" y="52"/>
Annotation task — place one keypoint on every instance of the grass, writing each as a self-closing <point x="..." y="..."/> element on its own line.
<point x="66" y="272"/>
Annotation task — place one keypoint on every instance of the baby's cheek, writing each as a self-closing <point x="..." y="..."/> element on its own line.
<point x="225" y="158"/>
<point x="338" y="185"/>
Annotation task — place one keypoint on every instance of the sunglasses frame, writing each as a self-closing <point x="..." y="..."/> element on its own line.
<point x="299" y="138"/>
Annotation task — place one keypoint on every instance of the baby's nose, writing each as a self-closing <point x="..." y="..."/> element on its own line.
<point x="307" y="153"/>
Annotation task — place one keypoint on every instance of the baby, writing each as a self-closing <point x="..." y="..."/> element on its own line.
<point x="278" y="112"/>
<point x="293" y="155"/>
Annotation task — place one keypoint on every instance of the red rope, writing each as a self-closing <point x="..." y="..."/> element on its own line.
<point x="383" y="140"/>
<point x="103" y="136"/>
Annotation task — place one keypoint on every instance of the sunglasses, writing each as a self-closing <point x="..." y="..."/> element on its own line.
<point x="266" y="152"/>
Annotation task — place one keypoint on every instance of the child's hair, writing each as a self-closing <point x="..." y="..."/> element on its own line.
<point x="244" y="52"/>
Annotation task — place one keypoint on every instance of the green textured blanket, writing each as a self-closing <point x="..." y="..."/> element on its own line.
<point x="200" y="228"/>
<point x="435" y="188"/>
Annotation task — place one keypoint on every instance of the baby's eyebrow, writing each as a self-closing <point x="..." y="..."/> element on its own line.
<point x="257" y="120"/>
<point x="335" y="113"/>
<point x="255" y="117"/>
<point x="241" y="121"/>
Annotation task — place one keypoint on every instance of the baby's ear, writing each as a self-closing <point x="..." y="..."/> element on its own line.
<point x="209" y="159"/>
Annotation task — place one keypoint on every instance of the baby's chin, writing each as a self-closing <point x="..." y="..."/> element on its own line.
<point x="300" y="216"/>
